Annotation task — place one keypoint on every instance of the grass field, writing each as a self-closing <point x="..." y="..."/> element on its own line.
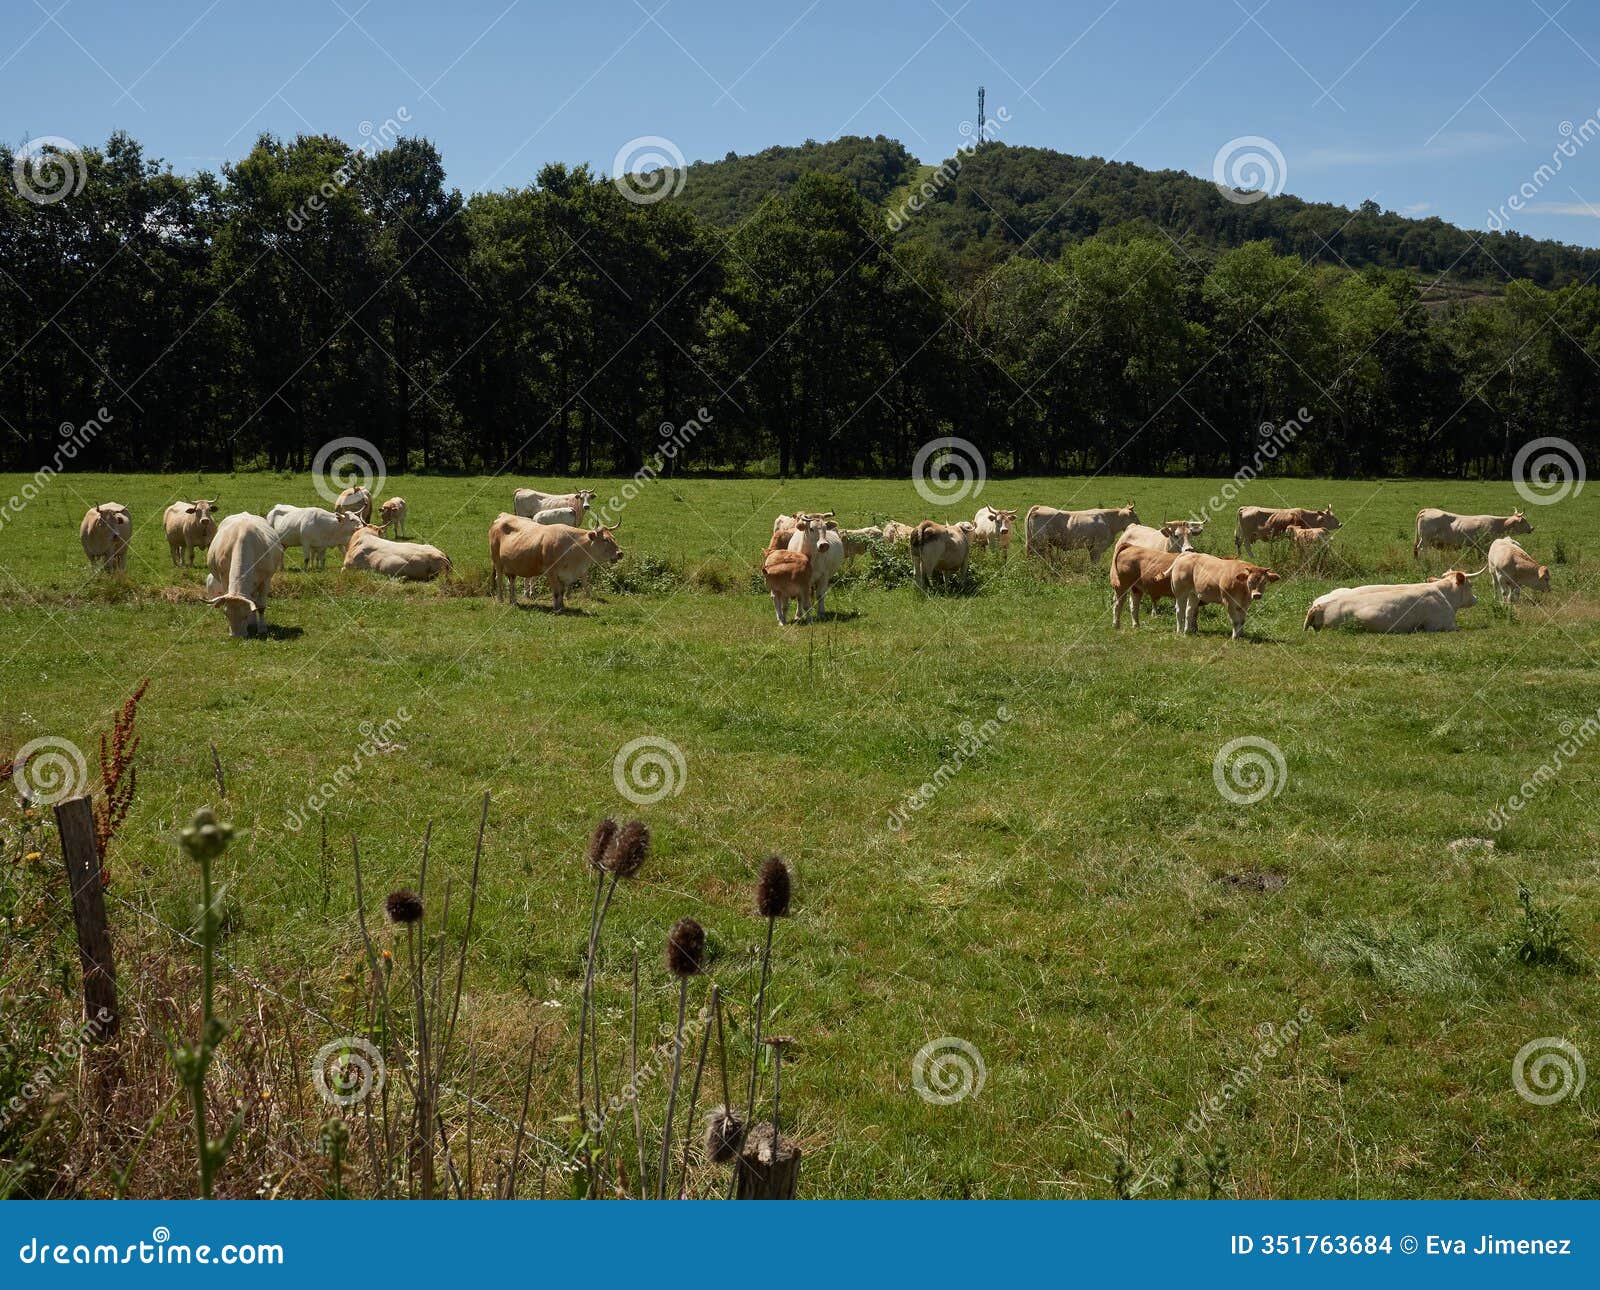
<point x="1078" y="901"/>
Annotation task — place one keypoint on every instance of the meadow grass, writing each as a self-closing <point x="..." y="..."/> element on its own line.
<point x="1077" y="901"/>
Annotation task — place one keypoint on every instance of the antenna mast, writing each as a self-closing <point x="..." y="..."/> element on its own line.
<point x="980" y="135"/>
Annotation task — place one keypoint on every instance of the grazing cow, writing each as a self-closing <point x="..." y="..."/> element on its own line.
<point x="564" y="553"/>
<point x="240" y="562"/>
<point x="1403" y="607"/>
<point x="528" y="502"/>
<point x="413" y="561"/>
<point x="314" y="530"/>
<point x="1450" y="532"/>
<point x="788" y="572"/>
<point x="1513" y="569"/>
<point x="1264" y="524"/>
<point x="821" y="541"/>
<point x="1199" y="579"/>
<point x="1138" y="571"/>
<point x="1092" y="530"/>
<point x="190" y="528"/>
<point x="393" y="513"/>
<point x="1307" y="540"/>
<point x="896" y="533"/>
<point x="941" y="548"/>
<point x="1173" y="536"/>
<point x="105" y="533"/>
<point x="358" y="501"/>
<point x="993" y="529"/>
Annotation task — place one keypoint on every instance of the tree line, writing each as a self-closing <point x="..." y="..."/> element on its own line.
<point x="313" y="291"/>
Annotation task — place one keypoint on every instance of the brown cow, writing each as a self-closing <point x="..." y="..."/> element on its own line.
<point x="788" y="575"/>
<point x="1263" y="524"/>
<point x="1199" y="579"/>
<point x="519" y="548"/>
<point x="1138" y="571"/>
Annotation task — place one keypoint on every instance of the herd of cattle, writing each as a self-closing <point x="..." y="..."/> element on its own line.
<point x="544" y="536"/>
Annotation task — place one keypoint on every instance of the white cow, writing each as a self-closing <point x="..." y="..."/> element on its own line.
<point x="241" y="561"/>
<point x="1450" y="532"/>
<point x="1512" y="569"/>
<point x="413" y="561"/>
<point x="314" y="530"/>
<point x="189" y="528"/>
<point x="992" y="529"/>
<point x="822" y="541"/>
<point x="528" y="502"/>
<point x="1400" y="607"/>
<point x="556" y="515"/>
<point x="1172" y="536"/>
<point x="105" y="533"/>
<point x="392" y="514"/>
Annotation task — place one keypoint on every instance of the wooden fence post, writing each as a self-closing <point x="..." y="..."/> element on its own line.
<point x="75" y="824"/>
<point x="767" y="1171"/>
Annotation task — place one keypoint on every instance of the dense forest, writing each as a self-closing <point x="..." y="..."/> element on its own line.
<point x="1144" y="323"/>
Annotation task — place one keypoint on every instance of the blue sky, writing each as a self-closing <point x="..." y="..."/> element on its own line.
<point x="1428" y="107"/>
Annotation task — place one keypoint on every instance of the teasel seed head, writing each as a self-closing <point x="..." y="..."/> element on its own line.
<point x="772" y="892"/>
<point x="599" y="841"/>
<point x="686" y="948"/>
<point x="627" y="849"/>
<point x="403" y="906"/>
<point x="724" y="1135"/>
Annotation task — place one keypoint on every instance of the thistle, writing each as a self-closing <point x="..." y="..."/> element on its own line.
<point x="403" y="906"/>
<point x="772" y="903"/>
<point x="724" y="1134"/>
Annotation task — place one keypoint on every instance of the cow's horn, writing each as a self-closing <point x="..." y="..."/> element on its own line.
<point x="1480" y="572"/>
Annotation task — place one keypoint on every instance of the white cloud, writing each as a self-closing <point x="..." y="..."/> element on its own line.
<point x="1463" y="144"/>
<point x="1567" y="208"/>
<point x="1416" y="208"/>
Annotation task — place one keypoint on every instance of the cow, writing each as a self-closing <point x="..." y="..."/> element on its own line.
<point x="896" y="533"/>
<point x="1092" y="530"/>
<point x="414" y="561"/>
<point x="557" y="515"/>
<point x="993" y="529"/>
<point x="1403" y="607"/>
<point x="859" y="541"/>
<point x="1264" y="524"/>
<point x="1138" y="571"/>
<point x="240" y="563"/>
<point x="393" y="515"/>
<point x="784" y="526"/>
<point x="1307" y="539"/>
<point x="1199" y="579"/>
<point x="1512" y="569"/>
<point x="357" y="500"/>
<point x="105" y="533"/>
<point x="314" y="530"/>
<point x="564" y="553"/>
<point x="941" y="548"/>
<point x="1173" y="535"/>
<point x="190" y="528"/>
<point x="788" y="571"/>
<point x="1451" y="532"/>
<point x="821" y="541"/>
<point x="528" y="502"/>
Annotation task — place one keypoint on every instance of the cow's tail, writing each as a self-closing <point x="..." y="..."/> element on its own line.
<point x="1238" y="532"/>
<point x="1027" y="531"/>
<point x="1314" y="617"/>
<point x="918" y="536"/>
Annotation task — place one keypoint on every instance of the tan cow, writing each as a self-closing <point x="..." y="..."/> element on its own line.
<point x="941" y="548"/>
<point x="788" y="577"/>
<point x="1137" y="571"/>
<point x="1398" y="607"/>
<point x="1199" y="579"/>
<point x="357" y="500"/>
<point x="859" y="541"/>
<point x="896" y="533"/>
<point x="105" y="533"/>
<point x="370" y="551"/>
<point x="1512" y="569"/>
<point x="1092" y="530"/>
<point x="992" y="529"/>
<point x="567" y="555"/>
<point x="1173" y="535"/>
<point x="1264" y="524"/>
<point x="1451" y="532"/>
<point x="1307" y="540"/>
<point x="190" y="528"/>
<point x="393" y="513"/>
<point x="240" y="563"/>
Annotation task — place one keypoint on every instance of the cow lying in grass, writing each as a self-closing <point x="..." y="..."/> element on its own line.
<point x="1395" y="608"/>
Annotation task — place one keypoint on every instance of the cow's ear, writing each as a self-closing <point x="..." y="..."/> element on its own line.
<point x="1273" y="577"/>
<point x="191" y="509"/>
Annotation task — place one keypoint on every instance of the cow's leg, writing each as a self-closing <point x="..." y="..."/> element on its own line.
<point x="558" y="596"/>
<point x="1135" y="597"/>
<point x="1237" y="617"/>
<point x="1117" y="598"/>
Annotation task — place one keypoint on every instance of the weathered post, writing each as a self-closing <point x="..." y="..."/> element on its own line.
<point x="75" y="824"/>
<point x="768" y="1167"/>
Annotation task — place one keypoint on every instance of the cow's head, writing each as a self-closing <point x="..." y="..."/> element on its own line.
<point x="1518" y="523"/>
<point x="113" y="518"/>
<point x="585" y="497"/>
<point x="1257" y="580"/>
<point x="1177" y="534"/>
<point x="1126" y="515"/>
<point x="602" y="545"/>
<point x="1457" y="587"/>
<point x="350" y="523"/>
<point x="1003" y="520"/>
<point x="392" y="507"/>
<point x="1324" y="519"/>
<point x="243" y="614"/>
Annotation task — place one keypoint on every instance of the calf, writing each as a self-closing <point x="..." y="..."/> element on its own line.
<point x="1451" y="532"/>
<point x="1393" y="608"/>
<point x="563" y="553"/>
<point x="941" y="548"/>
<point x="314" y="530"/>
<point x="1199" y="579"/>
<point x="189" y="528"/>
<point x="1512" y="569"/>
<point x="413" y="561"/>
<point x="393" y="515"/>
<point x="240" y="563"/>
<point x="1137" y="571"/>
<point x="788" y="576"/>
<point x="105" y="532"/>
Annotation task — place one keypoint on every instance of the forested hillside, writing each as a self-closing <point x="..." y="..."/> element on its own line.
<point x="310" y="292"/>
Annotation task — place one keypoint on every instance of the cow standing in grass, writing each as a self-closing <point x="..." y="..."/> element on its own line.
<point x="566" y="555"/>
<point x="941" y="548"/>
<point x="992" y="529"/>
<point x="1199" y="579"/>
<point x="190" y="528"/>
<point x="240" y="563"/>
<point x="1513" y="569"/>
<point x="1264" y="524"/>
<point x="1450" y="532"/>
<point x="105" y="533"/>
<point x="1093" y="530"/>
